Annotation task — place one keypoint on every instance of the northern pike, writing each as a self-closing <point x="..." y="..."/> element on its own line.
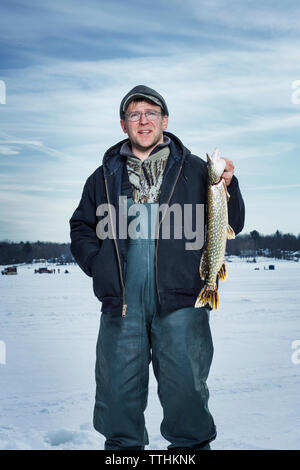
<point x="212" y="264"/>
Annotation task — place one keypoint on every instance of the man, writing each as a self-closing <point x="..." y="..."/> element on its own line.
<point x="148" y="285"/>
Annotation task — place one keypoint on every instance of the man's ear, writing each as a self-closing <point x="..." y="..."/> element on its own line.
<point x="123" y="125"/>
<point x="165" y="122"/>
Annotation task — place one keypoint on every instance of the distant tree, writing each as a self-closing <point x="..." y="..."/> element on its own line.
<point x="27" y="252"/>
<point x="255" y="237"/>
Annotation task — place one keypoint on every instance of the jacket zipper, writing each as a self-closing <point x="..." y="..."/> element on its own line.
<point x="157" y="233"/>
<point x="124" y="306"/>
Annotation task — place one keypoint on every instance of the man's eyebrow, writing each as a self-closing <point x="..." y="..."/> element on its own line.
<point x="145" y="111"/>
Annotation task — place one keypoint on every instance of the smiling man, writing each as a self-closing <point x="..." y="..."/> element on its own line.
<point x="148" y="287"/>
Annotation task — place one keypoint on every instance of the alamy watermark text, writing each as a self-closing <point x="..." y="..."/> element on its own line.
<point x="136" y="222"/>
<point x="2" y="352"/>
<point x="296" y="93"/>
<point x="295" y="358"/>
<point x="2" y="92"/>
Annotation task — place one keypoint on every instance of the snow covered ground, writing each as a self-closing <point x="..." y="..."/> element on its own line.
<point x="49" y="325"/>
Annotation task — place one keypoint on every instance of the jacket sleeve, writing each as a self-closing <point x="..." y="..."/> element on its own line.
<point x="84" y="241"/>
<point x="236" y="206"/>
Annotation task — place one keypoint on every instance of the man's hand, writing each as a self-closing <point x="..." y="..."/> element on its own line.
<point x="228" y="172"/>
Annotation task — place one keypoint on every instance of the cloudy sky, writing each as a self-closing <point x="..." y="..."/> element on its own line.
<point x="226" y="69"/>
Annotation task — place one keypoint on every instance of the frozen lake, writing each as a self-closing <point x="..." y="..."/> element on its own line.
<point x="49" y="326"/>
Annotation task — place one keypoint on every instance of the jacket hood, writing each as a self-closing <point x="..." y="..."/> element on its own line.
<point x="112" y="158"/>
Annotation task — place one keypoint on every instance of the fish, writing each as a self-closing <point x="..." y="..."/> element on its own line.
<point x="212" y="265"/>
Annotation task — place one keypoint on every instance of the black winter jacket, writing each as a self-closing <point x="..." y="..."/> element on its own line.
<point x="177" y="269"/>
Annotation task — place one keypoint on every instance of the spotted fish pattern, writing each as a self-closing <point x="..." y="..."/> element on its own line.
<point x="212" y="264"/>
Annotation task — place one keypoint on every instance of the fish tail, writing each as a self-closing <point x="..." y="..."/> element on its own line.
<point x="222" y="273"/>
<point x="208" y="296"/>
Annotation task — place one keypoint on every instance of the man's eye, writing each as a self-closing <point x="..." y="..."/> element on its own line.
<point x="151" y="113"/>
<point x="134" y="115"/>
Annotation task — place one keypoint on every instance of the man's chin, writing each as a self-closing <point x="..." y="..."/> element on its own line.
<point x="145" y="148"/>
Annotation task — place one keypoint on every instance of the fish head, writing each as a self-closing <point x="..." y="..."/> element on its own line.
<point x="216" y="166"/>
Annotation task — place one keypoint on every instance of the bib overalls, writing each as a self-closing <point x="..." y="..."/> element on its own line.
<point x="179" y="345"/>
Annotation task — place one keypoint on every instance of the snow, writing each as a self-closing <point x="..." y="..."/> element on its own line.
<point x="49" y="325"/>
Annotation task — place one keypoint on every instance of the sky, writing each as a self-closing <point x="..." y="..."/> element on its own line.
<point x="229" y="72"/>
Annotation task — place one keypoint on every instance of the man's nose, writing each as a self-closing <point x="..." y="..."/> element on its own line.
<point x="143" y="118"/>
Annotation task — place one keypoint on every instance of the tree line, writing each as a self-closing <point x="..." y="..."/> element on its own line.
<point x="271" y="245"/>
<point x="26" y="252"/>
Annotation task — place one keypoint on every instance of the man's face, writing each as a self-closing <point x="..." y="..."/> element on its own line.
<point x="144" y="134"/>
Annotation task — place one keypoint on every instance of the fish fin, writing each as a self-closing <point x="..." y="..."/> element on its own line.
<point x="203" y="266"/>
<point x="230" y="233"/>
<point x="222" y="273"/>
<point x="208" y="296"/>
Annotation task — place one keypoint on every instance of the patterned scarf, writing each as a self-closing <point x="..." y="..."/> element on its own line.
<point x="146" y="176"/>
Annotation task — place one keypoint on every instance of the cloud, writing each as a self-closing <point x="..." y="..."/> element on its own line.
<point x="5" y="150"/>
<point x="37" y="145"/>
<point x="69" y="17"/>
<point x="249" y="15"/>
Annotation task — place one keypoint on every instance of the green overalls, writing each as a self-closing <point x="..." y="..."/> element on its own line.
<point x="180" y="347"/>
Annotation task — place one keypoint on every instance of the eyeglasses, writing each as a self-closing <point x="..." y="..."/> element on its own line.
<point x="136" y="116"/>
